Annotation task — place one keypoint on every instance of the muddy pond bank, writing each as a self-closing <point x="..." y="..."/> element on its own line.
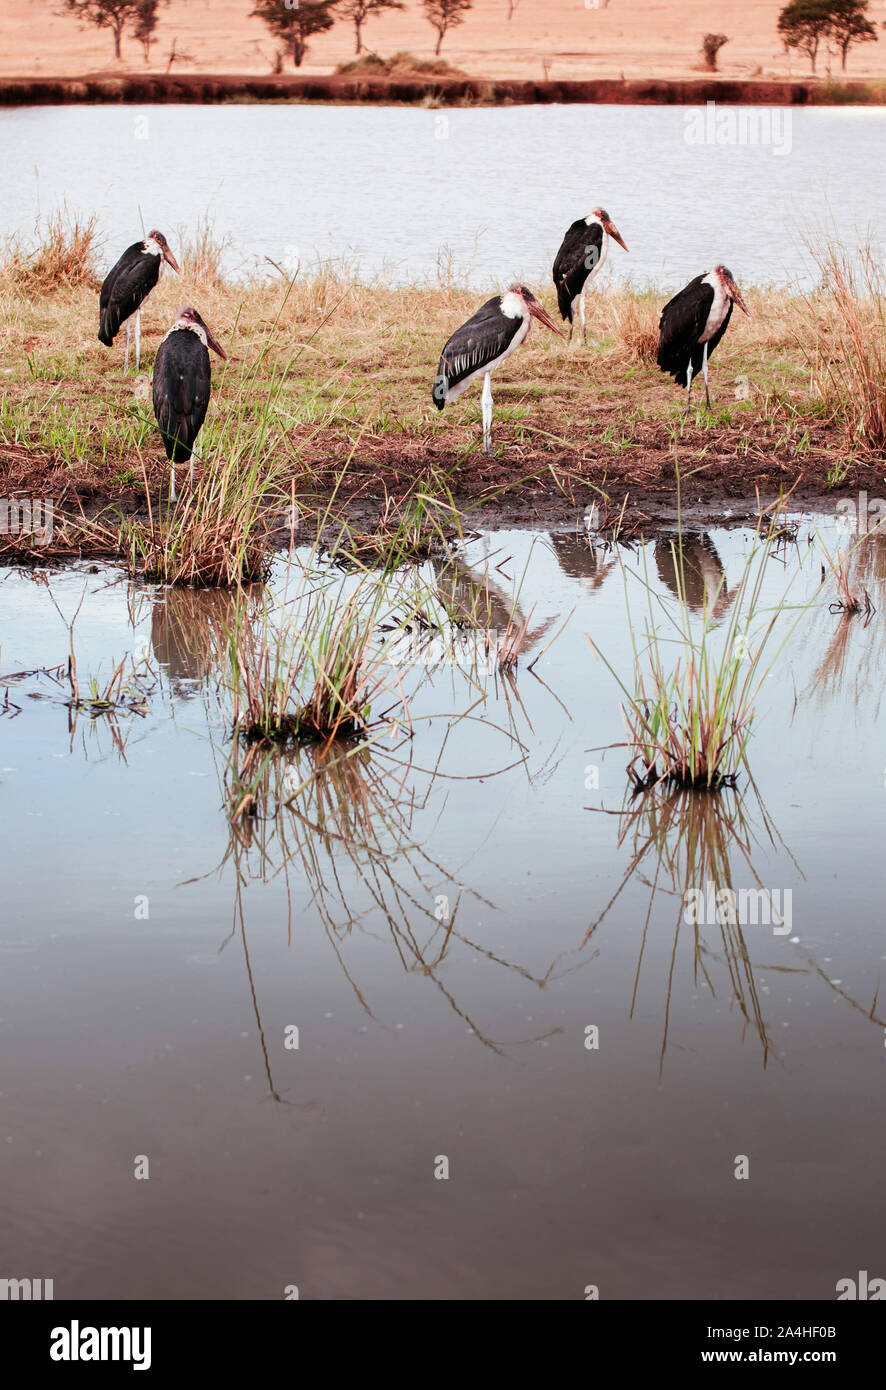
<point x="636" y="493"/>
<point x="203" y="89"/>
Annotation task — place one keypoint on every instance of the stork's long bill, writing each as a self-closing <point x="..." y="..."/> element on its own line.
<point x="609" y="226"/>
<point x="729" y="285"/>
<point x="165" y="252"/>
<point x="536" y="308"/>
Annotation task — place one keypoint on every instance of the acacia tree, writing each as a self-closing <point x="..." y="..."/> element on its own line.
<point x="804" y="23"/>
<point x="445" y="14"/>
<point x="849" y="25"/>
<point x="295" y="24"/>
<point x="146" y="23"/>
<point x="114" y="15"/>
<point x="358" y="11"/>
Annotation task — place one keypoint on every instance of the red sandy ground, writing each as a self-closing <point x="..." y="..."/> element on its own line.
<point x="563" y="38"/>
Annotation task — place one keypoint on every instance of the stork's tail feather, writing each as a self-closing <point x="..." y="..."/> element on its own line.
<point x="177" y="450"/>
<point x="672" y="361"/>
<point x="564" y="301"/>
<point x="108" y="327"/>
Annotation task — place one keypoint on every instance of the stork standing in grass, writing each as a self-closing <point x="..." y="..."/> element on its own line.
<point x="182" y="383"/>
<point x="580" y="258"/>
<point x="482" y="344"/>
<point x="692" y="324"/>
<point x="127" y="286"/>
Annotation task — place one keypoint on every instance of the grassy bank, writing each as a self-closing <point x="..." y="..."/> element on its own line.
<point x="424" y="89"/>
<point x="328" y="387"/>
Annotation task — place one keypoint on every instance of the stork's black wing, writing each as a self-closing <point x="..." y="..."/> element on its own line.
<point x="126" y="285"/>
<point x="577" y="257"/>
<point x="682" y="323"/>
<point x="182" y="381"/>
<point x="485" y="336"/>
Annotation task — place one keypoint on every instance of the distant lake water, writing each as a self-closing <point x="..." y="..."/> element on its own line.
<point x="400" y="191"/>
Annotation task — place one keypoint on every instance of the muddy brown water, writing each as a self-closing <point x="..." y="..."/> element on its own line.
<point x="520" y="1071"/>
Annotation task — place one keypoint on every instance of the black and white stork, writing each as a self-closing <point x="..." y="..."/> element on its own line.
<point x="692" y="324"/>
<point x="126" y="287"/>
<point x="182" y="382"/>
<point x="580" y="258"/>
<point x="482" y="344"/>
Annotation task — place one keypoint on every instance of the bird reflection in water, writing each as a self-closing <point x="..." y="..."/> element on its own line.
<point x="693" y="571"/>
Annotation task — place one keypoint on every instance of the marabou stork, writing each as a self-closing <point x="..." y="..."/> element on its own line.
<point x="127" y="285"/>
<point x="182" y="382"/>
<point x="482" y="344"/>
<point x="692" y="324"/>
<point x="579" y="259"/>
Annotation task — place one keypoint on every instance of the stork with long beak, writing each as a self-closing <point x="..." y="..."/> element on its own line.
<point x="581" y="258"/>
<point x="182" y="383"/>
<point x="127" y="286"/>
<point x="692" y="324"/>
<point x="482" y="344"/>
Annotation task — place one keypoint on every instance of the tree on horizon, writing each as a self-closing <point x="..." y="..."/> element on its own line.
<point x="804" y="23"/>
<point x="445" y="15"/>
<point x="849" y="25"/>
<point x="297" y="23"/>
<point x="146" y="23"/>
<point x="116" y="15"/>
<point x="358" y="11"/>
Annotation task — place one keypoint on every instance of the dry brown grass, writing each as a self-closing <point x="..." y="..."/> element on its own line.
<point x="846" y="337"/>
<point x="63" y="258"/>
<point x="401" y="64"/>
<point x="634" y="319"/>
<point x="216" y="536"/>
<point x="203" y="257"/>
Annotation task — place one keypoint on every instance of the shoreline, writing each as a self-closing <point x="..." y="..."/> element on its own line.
<point x="162" y="88"/>
<point x="347" y="414"/>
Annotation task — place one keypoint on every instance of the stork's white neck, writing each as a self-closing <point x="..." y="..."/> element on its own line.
<point x="514" y="305"/>
<point x="719" y="308"/>
<point x="150" y="247"/>
<point x="717" y="286"/>
<point x="604" y="245"/>
<point x="194" y="328"/>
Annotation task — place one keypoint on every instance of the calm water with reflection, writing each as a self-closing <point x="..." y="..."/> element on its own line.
<point x="398" y="190"/>
<point x="422" y="1037"/>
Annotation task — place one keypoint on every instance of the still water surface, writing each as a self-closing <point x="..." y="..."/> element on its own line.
<point x="487" y="192"/>
<point x="421" y="1038"/>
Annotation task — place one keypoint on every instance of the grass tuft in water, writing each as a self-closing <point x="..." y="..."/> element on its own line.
<point x="312" y="673"/>
<point x="215" y="537"/>
<point x="689" y="709"/>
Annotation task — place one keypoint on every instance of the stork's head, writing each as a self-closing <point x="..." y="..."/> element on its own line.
<point x="190" y="318"/>
<point x="165" y="252"/>
<point x="608" y="225"/>
<point x="729" y="285"/>
<point x="535" y="307"/>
